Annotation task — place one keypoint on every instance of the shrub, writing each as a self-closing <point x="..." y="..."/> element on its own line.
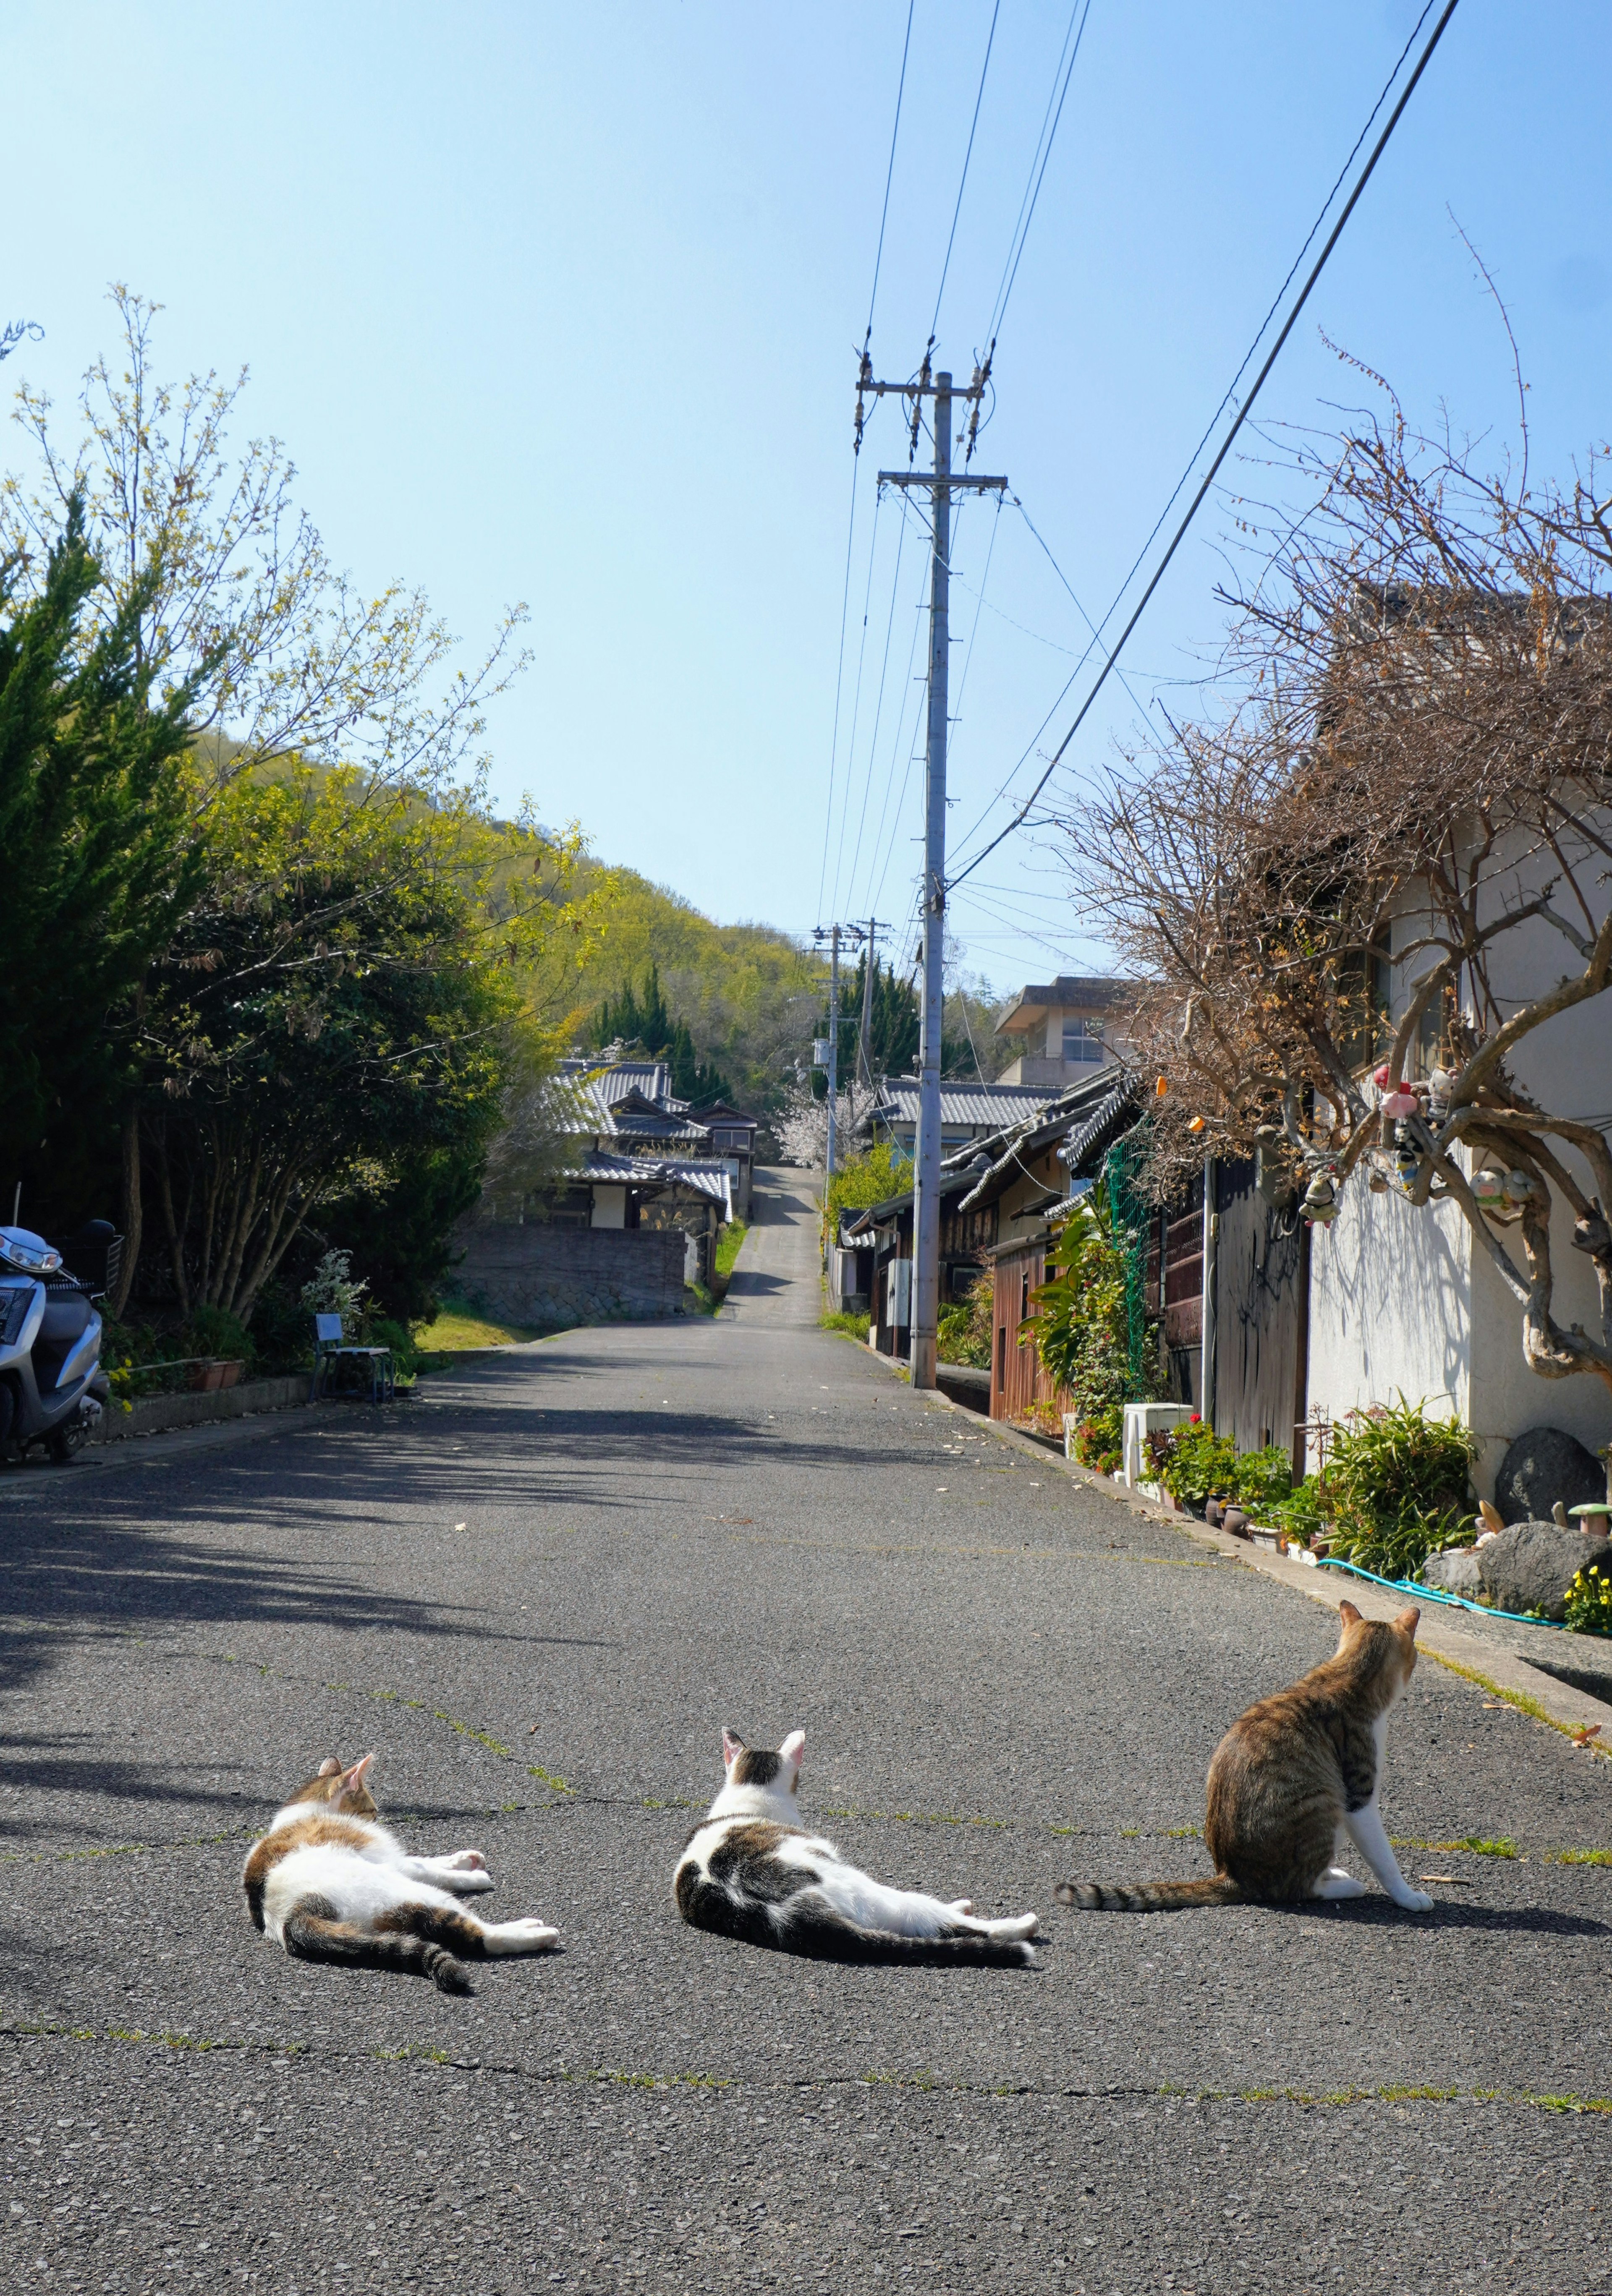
<point x="215" y="1331"/>
<point x="332" y="1289"/>
<point x="1590" y="1603"/>
<point x="1262" y="1479"/>
<point x="965" y="1330"/>
<point x="1300" y="1514"/>
<point x="1397" y="1484"/>
<point x="1196" y="1461"/>
<point x="1081" y="1324"/>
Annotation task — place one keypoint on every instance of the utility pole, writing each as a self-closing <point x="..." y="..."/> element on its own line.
<point x="834" y="935"/>
<point x="943" y="486"/>
<point x="864" y="1055"/>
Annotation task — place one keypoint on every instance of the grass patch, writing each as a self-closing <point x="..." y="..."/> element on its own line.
<point x="1584" y="1858"/>
<point x="727" y="1250"/>
<point x="1519" y="1698"/>
<point x="849" y="1327"/>
<point x="458" y="1326"/>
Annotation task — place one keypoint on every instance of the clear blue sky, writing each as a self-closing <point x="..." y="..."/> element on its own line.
<point x="561" y="304"/>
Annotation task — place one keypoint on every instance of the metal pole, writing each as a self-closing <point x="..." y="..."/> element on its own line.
<point x="926" y="1204"/>
<point x="834" y="1047"/>
<point x="863" y="1054"/>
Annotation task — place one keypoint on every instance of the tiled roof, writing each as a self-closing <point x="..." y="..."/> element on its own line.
<point x="1009" y="1150"/>
<point x="1084" y="1145"/>
<point x="961" y="1104"/>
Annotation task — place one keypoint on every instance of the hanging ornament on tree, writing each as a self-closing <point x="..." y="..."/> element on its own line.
<point x="1489" y="1187"/>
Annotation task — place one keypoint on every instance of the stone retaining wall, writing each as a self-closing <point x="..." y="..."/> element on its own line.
<point x="153" y="1414"/>
<point x="542" y="1276"/>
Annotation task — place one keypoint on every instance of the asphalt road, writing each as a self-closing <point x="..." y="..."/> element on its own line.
<point x="539" y="1589"/>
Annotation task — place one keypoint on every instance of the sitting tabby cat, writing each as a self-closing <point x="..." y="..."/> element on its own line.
<point x="750" y="1870"/>
<point x="1290" y="1779"/>
<point x="329" y="1883"/>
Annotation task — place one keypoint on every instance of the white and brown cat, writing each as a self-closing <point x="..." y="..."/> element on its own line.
<point x="750" y="1870"/>
<point x="1290" y="1779"/>
<point x="330" y="1883"/>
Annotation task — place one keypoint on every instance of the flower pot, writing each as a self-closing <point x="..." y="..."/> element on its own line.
<point x="231" y="1373"/>
<point x="1234" y="1519"/>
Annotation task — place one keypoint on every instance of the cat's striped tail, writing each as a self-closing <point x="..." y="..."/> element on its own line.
<point x="805" y="1926"/>
<point x="1148" y="1897"/>
<point x="313" y="1933"/>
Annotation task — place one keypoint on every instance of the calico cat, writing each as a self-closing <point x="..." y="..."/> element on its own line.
<point x="329" y="1883"/>
<point x="750" y="1870"/>
<point x="1290" y="1779"/>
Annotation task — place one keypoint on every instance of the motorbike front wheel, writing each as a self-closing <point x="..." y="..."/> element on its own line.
<point x="63" y="1442"/>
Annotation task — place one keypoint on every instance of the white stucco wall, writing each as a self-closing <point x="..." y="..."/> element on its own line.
<point x="1388" y="1307"/>
<point x="1406" y="1299"/>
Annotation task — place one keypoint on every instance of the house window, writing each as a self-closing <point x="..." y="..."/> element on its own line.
<point x="1083" y="1041"/>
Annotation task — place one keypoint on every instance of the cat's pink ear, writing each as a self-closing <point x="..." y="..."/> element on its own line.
<point x="327" y="1767"/>
<point x="732" y="1747"/>
<point x="793" y="1748"/>
<point x="1347" y="1612"/>
<point x="1408" y="1622"/>
<point x="356" y="1776"/>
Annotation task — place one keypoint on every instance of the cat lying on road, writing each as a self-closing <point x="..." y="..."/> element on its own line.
<point x="1290" y="1779"/>
<point x="329" y="1883"/>
<point x="750" y="1870"/>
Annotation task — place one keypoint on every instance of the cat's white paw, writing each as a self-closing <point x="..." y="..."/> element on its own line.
<point x="1415" y="1901"/>
<point x="466" y="1861"/>
<point x="521" y="1937"/>
<point x="1022" y="1925"/>
<point x="962" y="1905"/>
<point x="1335" y="1883"/>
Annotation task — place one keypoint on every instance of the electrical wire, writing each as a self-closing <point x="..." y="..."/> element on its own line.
<point x="856" y="707"/>
<point x="1112" y="657"/>
<point x="873" y="739"/>
<point x="839" y="681"/>
<point x="1032" y="188"/>
<point x="968" y="155"/>
<point x="839" y="676"/>
<point x="900" y="90"/>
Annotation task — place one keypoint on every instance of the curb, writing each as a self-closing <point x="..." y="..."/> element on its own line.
<point x="1557" y="1704"/>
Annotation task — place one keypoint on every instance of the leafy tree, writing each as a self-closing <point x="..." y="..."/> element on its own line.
<point x="327" y="1028"/>
<point x="894" y="1025"/>
<point x="101" y="863"/>
<point x="227" y="586"/>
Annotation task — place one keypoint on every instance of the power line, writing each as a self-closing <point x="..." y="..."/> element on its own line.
<point x="856" y="706"/>
<point x="1032" y="188"/>
<point x="1243" y="412"/>
<point x="889" y="174"/>
<point x="839" y="680"/>
<point x="873" y="739"/>
<point x="968" y="155"/>
<point x="839" y="676"/>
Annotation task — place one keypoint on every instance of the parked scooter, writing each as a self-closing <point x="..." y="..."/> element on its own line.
<point x="53" y="1389"/>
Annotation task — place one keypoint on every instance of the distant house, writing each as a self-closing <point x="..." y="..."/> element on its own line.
<point x="998" y="1191"/>
<point x="969" y="1112"/>
<point x="639" y="1161"/>
<point x="733" y="1139"/>
<point x="1065" y="1028"/>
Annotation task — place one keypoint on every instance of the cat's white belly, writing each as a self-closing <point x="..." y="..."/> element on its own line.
<point x="900" y="1912"/>
<point x="359" y="1888"/>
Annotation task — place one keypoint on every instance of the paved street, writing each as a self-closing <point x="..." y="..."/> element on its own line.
<point x="539" y="1589"/>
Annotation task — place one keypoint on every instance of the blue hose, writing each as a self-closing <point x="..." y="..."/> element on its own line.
<point x="1436" y="1595"/>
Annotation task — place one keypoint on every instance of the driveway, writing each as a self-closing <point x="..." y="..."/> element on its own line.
<point x="539" y="1589"/>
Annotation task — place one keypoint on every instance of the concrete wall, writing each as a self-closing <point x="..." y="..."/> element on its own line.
<point x="539" y="1274"/>
<point x="153" y="1414"/>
